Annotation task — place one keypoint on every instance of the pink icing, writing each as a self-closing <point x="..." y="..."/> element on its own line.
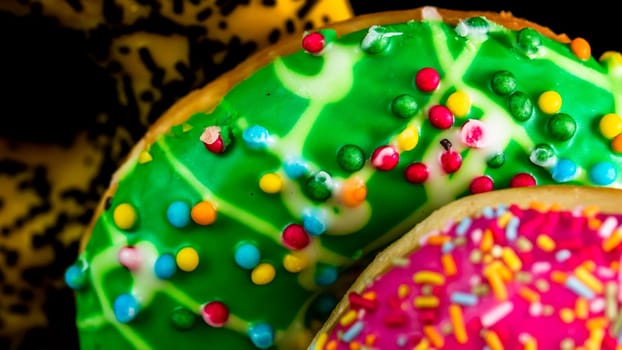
<point x="558" y="286"/>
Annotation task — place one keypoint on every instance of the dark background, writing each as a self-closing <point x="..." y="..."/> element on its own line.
<point x="596" y="21"/>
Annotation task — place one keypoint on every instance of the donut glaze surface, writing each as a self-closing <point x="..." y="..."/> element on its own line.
<point x="230" y="227"/>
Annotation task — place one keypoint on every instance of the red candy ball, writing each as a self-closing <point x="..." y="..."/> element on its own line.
<point x="295" y="237"/>
<point x="417" y="173"/>
<point x="314" y="42"/>
<point x="385" y="158"/>
<point x="215" y="314"/>
<point x="481" y="184"/>
<point x="427" y="79"/>
<point x="451" y="161"/>
<point x="522" y="180"/>
<point x="441" y="117"/>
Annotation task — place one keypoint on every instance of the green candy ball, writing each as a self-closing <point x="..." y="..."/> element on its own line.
<point x="496" y="160"/>
<point x="503" y="83"/>
<point x="318" y="186"/>
<point x="183" y="319"/>
<point x="529" y="40"/>
<point x="404" y="106"/>
<point x="520" y="106"/>
<point x="562" y="126"/>
<point x="350" y="158"/>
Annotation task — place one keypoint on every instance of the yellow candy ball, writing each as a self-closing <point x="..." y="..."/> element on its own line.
<point x="459" y="103"/>
<point x="187" y="259"/>
<point x="263" y="274"/>
<point x="610" y="125"/>
<point x="271" y="183"/>
<point x="550" y="102"/>
<point x="293" y="263"/>
<point x="408" y="139"/>
<point x="124" y="216"/>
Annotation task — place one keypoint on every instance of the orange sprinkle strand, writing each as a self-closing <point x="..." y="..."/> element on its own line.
<point x="511" y="259"/>
<point x="558" y="276"/>
<point x="581" y="308"/>
<point x="438" y="240"/>
<point x="430" y="277"/>
<point x="612" y="241"/>
<point x="581" y="48"/>
<point x="487" y="241"/>
<point x="449" y="264"/>
<point x="493" y="341"/>
<point x="457" y="322"/>
<point x="529" y="294"/>
<point x="497" y="285"/>
<point x="435" y="337"/>
<point x="585" y="276"/>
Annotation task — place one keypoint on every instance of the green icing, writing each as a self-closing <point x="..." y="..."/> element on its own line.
<point x="311" y="106"/>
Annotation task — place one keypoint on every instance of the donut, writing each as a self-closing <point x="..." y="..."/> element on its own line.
<point x="520" y="268"/>
<point x="86" y="78"/>
<point x="247" y="207"/>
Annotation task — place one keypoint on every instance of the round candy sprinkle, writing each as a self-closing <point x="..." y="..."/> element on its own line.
<point x="124" y="216"/>
<point x="451" y="160"/>
<point x="385" y="158"/>
<point x="522" y="180"/>
<point x="417" y="173"/>
<point x="550" y="102"/>
<point x="187" y="259"/>
<point x="427" y="79"/>
<point x="543" y="155"/>
<point x="75" y="277"/>
<point x="564" y="170"/>
<point x="603" y="173"/>
<point x="319" y="186"/>
<point x="247" y="256"/>
<point x="350" y="158"/>
<point x="165" y="266"/>
<point x="183" y="319"/>
<point x="408" y="138"/>
<point x="496" y="160"/>
<point x="125" y="308"/>
<point x="295" y="237"/>
<point x="353" y="192"/>
<point x="581" y="48"/>
<point x="263" y="274"/>
<point x="473" y="133"/>
<point x="529" y="40"/>
<point x="313" y="42"/>
<point x="562" y="126"/>
<point x="256" y="137"/>
<point x="520" y="106"/>
<point x="129" y="257"/>
<point x="314" y="221"/>
<point x="203" y="213"/>
<point x="459" y="103"/>
<point x="404" y="106"/>
<point x="503" y="83"/>
<point x="481" y="184"/>
<point x="271" y="183"/>
<point x="440" y="117"/>
<point x="215" y="314"/>
<point x="376" y="40"/>
<point x="294" y="263"/>
<point x="295" y="168"/>
<point x="215" y="138"/>
<point x="610" y="125"/>
<point x="616" y="144"/>
<point x="178" y="214"/>
<point x="261" y="335"/>
<point x="326" y="275"/>
<point x="473" y="26"/>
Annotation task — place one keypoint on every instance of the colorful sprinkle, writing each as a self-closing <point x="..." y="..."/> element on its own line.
<point x="215" y="314"/>
<point x="350" y="158"/>
<point x="562" y="127"/>
<point x="165" y="266"/>
<point x="314" y="221"/>
<point x="75" y="277"/>
<point x="503" y="83"/>
<point x="564" y="170"/>
<point x="385" y="158"/>
<point x="183" y="319"/>
<point x="408" y="139"/>
<point x="404" y="106"/>
<point x="263" y="274"/>
<point x="427" y="79"/>
<point x="313" y="42"/>
<point x="247" y="256"/>
<point x="125" y="308"/>
<point x="319" y="186"/>
<point x="261" y="335"/>
<point x="496" y="160"/>
<point x="441" y="117"/>
<point x="124" y="216"/>
<point x="520" y="106"/>
<point x="610" y="125"/>
<point x="271" y="183"/>
<point x="603" y="174"/>
<point x="459" y="103"/>
<point x="581" y="48"/>
<point x="178" y="214"/>
<point x="295" y="237"/>
<point x="529" y="40"/>
<point x="203" y="213"/>
<point x="417" y="173"/>
<point x="130" y="258"/>
<point x="256" y="137"/>
<point x="550" y="102"/>
<point x="187" y="259"/>
<point x="473" y="133"/>
<point x="451" y="160"/>
<point x="377" y="40"/>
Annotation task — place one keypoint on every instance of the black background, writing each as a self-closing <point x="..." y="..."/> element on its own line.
<point x="596" y="21"/>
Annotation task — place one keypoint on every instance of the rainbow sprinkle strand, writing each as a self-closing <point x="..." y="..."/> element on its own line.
<point x="475" y="283"/>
